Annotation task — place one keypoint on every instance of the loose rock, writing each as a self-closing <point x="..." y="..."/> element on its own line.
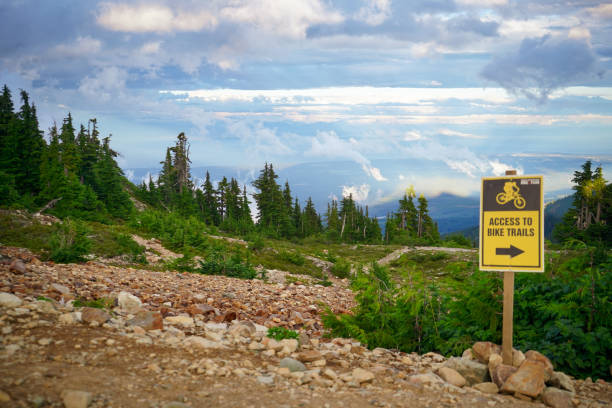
<point x="528" y="380"/>
<point x="473" y="371"/>
<point x="129" y="303"/>
<point x="147" y="320"/>
<point x="482" y="350"/>
<point x="362" y="376"/>
<point x="556" y="398"/>
<point x="487" y="388"/>
<point x="91" y="314"/>
<point x="451" y="376"/>
<point x="292" y="364"/>
<point x="76" y="399"/>
<point x="9" y="300"/>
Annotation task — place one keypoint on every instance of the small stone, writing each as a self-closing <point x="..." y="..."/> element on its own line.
<point x="17" y="266"/>
<point x="265" y="379"/>
<point x="147" y="320"/>
<point x="292" y="364"/>
<point x="61" y="289"/>
<point x="9" y="300"/>
<point x="556" y="398"/>
<point x="451" y="376"/>
<point x="129" y="303"/>
<point x="482" y="350"/>
<point x="256" y="346"/>
<point x="528" y="380"/>
<point x="407" y="360"/>
<point x="244" y="329"/>
<point x="76" y="399"/>
<point x="289" y="345"/>
<point x="329" y="373"/>
<point x="201" y="342"/>
<point x="91" y="314"/>
<point x="362" y="376"/>
<point x="4" y="397"/>
<point x="562" y="381"/>
<point x="284" y="371"/>
<point x="201" y="309"/>
<point x="70" y="318"/>
<point x="487" y="388"/>
<point x="426" y="378"/>
<point x="45" y="341"/>
<point x="175" y="404"/>
<point x="319" y="363"/>
<point x="308" y="356"/>
<point x="184" y="321"/>
<point x="303" y="339"/>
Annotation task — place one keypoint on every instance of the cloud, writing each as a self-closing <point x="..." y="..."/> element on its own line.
<point x="412" y="135"/>
<point x="457" y="158"/>
<point x="259" y="141"/>
<point x="454" y="133"/>
<point x="107" y="83"/>
<point x="81" y="46"/>
<point x="603" y="11"/>
<point x="284" y="18"/>
<point x="542" y="65"/>
<point x="375" y="12"/>
<point x="359" y="193"/>
<point x="145" y="17"/>
<point x="328" y="144"/>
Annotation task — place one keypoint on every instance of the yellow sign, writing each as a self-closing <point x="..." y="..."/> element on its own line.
<point x="512" y="224"/>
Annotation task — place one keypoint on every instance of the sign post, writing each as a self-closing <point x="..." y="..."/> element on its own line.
<point x="511" y="236"/>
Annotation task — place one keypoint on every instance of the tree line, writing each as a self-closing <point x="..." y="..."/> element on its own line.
<point x="73" y="172"/>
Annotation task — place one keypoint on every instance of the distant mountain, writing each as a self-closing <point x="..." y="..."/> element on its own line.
<point x="554" y="212"/>
<point x="451" y="212"/>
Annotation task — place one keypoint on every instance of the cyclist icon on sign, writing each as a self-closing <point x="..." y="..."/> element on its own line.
<point x="511" y="192"/>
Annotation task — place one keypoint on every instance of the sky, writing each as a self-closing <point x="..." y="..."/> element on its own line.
<point x="433" y="93"/>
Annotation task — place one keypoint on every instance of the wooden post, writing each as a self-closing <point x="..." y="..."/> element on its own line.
<point x="508" y="318"/>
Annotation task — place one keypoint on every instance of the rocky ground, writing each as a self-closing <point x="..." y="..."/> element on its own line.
<point x="186" y="340"/>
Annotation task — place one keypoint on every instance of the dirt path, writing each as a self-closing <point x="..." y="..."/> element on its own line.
<point x="399" y="252"/>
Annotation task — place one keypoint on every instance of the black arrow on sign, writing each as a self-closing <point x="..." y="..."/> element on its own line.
<point x="512" y="251"/>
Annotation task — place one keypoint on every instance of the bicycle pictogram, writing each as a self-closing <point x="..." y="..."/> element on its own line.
<point x="510" y="193"/>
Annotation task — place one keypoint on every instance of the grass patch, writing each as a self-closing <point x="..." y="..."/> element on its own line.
<point x="281" y="333"/>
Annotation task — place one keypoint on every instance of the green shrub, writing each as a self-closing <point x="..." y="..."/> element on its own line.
<point x="182" y="264"/>
<point x="341" y="269"/>
<point x="280" y="333"/>
<point x="101" y="303"/>
<point x="293" y="257"/>
<point x="69" y="241"/>
<point x="256" y="242"/>
<point x="565" y="313"/>
<point x="233" y="266"/>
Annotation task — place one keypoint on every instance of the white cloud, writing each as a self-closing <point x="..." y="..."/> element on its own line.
<point x="482" y="3"/>
<point x="82" y="46"/>
<point x="283" y="18"/>
<point x="412" y="135"/>
<point x="499" y="169"/>
<point x="359" y="193"/>
<point x="454" y="133"/>
<point x="375" y="12"/>
<point x="153" y="18"/>
<point x="357" y="95"/>
<point x="105" y="84"/>
<point x="151" y="47"/>
<point x="603" y="11"/>
<point x="329" y="144"/>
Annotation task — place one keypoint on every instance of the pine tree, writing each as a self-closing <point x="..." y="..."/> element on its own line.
<point x="68" y="147"/>
<point x="209" y="204"/>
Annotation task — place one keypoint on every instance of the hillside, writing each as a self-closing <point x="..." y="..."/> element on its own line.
<point x="168" y="339"/>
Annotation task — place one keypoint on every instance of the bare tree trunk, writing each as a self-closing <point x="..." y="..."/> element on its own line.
<point x="49" y="205"/>
<point x="343" y="223"/>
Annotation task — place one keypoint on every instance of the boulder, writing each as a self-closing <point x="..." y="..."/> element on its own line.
<point x="473" y="371"/>
<point x="528" y="380"/>
<point x="494" y="361"/>
<point x="501" y="373"/>
<point x="482" y="350"/>
<point x="517" y="358"/>
<point x="562" y="381"/>
<point x="451" y="376"/>
<point x="540" y="358"/>
<point x="487" y="388"/>
<point x="91" y="314"/>
<point x="129" y="303"/>
<point x="9" y="300"/>
<point x="147" y="320"/>
<point x="556" y="398"/>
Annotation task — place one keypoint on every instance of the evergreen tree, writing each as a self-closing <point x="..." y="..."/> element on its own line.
<point x="109" y="183"/>
<point x="69" y="154"/>
<point x="209" y="203"/>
